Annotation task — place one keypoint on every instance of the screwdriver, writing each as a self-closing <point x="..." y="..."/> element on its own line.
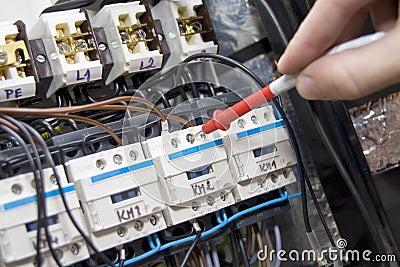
<point x="223" y="118"/>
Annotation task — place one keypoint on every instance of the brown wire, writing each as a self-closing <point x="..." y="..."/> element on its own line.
<point x="259" y="242"/>
<point x="202" y="262"/>
<point x="75" y="117"/>
<point x="192" y="261"/>
<point x="8" y="110"/>
<point x="249" y="237"/>
<point x="144" y="110"/>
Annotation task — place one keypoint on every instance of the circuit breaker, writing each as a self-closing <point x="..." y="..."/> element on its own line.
<point x="120" y="195"/>
<point x="193" y="172"/>
<point x="18" y="227"/>
<point x="260" y="154"/>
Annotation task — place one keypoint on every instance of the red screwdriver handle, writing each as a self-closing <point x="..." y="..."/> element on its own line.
<point x="223" y="119"/>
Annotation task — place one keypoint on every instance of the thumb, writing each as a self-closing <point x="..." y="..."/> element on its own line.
<point x="353" y="73"/>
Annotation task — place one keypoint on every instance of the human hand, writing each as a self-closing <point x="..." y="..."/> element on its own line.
<point x="353" y="73"/>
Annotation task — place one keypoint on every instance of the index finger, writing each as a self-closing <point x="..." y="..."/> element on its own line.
<point x="324" y="24"/>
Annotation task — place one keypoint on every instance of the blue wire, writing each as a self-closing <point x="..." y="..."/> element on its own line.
<point x="222" y="222"/>
<point x="146" y="254"/>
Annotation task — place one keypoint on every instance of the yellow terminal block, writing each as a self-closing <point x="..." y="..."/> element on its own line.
<point x="16" y="74"/>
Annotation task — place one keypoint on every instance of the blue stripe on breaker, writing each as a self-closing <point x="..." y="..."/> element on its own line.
<point x="261" y="129"/>
<point x="32" y="199"/>
<point x="195" y="149"/>
<point x="121" y="171"/>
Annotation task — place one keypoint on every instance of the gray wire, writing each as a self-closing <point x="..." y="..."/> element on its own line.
<point x="38" y="181"/>
<point x="214" y="253"/>
<point x="207" y="255"/>
<point x="65" y="203"/>
<point x="278" y="244"/>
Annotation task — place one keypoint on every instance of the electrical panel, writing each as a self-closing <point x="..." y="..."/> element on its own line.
<point x="18" y="210"/>
<point x="138" y="176"/>
<point x="120" y="195"/>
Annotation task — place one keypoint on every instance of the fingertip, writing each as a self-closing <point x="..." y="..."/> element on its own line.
<point x="307" y="87"/>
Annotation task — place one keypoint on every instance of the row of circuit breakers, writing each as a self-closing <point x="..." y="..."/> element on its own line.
<point x="129" y="192"/>
<point x="74" y="47"/>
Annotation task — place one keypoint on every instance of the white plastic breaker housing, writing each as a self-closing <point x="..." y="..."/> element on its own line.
<point x="18" y="227"/>
<point x="15" y="83"/>
<point x="260" y="153"/>
<point x="194" y="174"/>
<point x="168" y="11"/>
<point x="118" y="21"/>
<point x="120" y="195"/>
<point x="70" y="48"/>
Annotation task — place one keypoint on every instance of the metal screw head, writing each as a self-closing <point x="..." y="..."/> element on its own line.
<point x="222" y="195"/>
<point x="102" y="47"/>
<point x="210" y="200"/>
<point x="254" y="119"/>
<point x="274" y="178"/>
<point x="33" y="183"/>
<point x="3" y="57"/>
<point x="121" y="231"/>
<point x="195" y="206"/>
<point x="174" y="143"/>
<point x="75" y="249"/>
<point x="203" y="136"/>
<point x="16" y="189"/>
<point x="160" y="37"/>
<point x="132" y="155"/>
<point x="261" y="183"/>
<point x="267" y="115"/>
<point x="59" y="253"/>
<point x="140" y="34"/>
<point x="64" y="47"/>
<point x="285" y="174"/>
<point x="40" y="58"/>
<point x="53" y="179"/>
<point x="124" y="37"/>
<point x="117" y="159"/>
<point x="241" y="123"/>
<point x="100" y="164"/>
<point x="81" y="45"/>
<point x="190" y="138"/>
<point x="153" y="220"/>
<point x="197" y="26"/>
<point x="138" y="225"/>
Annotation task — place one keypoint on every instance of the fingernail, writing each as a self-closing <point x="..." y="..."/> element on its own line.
<point x="281" y="60"/>
<point x="307" y="88"/>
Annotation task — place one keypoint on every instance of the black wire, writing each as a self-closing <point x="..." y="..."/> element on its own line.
<point x="46" y="125"/>
<point x="38" y="191"/>
<point x="347" y="178"/>
<point x="190" y="250"/>
<point x="121" y="263"/>
<point x="234" y="250"/>
<point x="43" y="221"/>
<point x="239" y="238"/>
<point x="63" y="198"/>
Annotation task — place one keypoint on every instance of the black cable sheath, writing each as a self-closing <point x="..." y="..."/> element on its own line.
<point x="190" y="250"/>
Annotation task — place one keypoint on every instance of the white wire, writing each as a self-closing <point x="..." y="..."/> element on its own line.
<point x="207" y="255"/>
<point x="214" y="253"/>
<point x="278" y="244"/>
